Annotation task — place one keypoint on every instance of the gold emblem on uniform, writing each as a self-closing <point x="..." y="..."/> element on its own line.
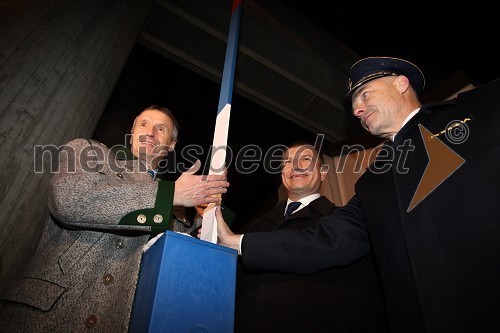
<point x="452" y="126"/>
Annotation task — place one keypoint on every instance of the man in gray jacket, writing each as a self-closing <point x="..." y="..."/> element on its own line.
<point x="104" y="207"/>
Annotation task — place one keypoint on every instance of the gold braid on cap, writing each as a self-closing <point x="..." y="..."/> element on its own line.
<point x="365" y="78"/>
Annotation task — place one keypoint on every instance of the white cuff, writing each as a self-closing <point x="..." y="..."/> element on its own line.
<point x="239" y="246"/>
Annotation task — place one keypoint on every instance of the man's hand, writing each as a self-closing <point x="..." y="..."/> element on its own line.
<point x="192" y="190"/>
<point x="226" y="236"/>
<point x="201" y="209"/>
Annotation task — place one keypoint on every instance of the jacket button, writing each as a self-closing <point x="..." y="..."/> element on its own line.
<point x="141" y="218"/>
<point x="119" y="175"/>
<point x="158" y="218"/>
<point x="107" y="279"/>
<point x="119" y="243"/>
<point x="91" y="321"/>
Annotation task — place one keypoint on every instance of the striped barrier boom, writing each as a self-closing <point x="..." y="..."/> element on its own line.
<point x="218" y="153"/>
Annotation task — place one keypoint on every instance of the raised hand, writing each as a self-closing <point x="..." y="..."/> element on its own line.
<point x="193" y="190"/>
<point x="201" y="209"/>
<point x="225" y="235"/>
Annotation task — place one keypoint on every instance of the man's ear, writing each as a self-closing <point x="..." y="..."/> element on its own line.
<point x="324" y="171"/>
<point x="403" y="83"/>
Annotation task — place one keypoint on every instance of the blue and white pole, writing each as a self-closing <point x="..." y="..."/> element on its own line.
<point x="218" y="157"/>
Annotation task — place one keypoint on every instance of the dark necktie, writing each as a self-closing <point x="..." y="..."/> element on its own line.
<point x="152" y="174"/>
<point x="292" y="206"/>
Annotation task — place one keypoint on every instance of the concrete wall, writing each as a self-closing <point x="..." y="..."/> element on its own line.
<point x="59" y="62"/>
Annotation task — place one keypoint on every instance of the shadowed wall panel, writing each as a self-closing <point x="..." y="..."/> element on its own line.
<point x="59" y="62"/>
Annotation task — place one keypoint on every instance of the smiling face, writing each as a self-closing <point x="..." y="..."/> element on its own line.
<point x="383" y="104"/>
<point x="302" y="173"/>
<point x="152" y="137"/>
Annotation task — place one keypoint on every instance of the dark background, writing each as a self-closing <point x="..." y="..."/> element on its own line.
<point x="442" y="42"/>
<point x="442" y="39"/>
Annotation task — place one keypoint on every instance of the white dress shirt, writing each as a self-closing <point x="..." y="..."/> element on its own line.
<point x="303" y="201"/>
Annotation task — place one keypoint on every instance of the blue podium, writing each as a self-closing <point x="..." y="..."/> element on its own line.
<point x="185" y="285"/>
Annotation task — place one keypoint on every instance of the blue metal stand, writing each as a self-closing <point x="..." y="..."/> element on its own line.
<point x="185" y="285"/>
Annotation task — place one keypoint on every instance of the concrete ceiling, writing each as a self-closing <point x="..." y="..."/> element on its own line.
<point x="285" y="63"/>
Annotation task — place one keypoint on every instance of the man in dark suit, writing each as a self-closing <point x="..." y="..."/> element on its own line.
<point x="427" y="208"/>
<point x="340" y="299"/>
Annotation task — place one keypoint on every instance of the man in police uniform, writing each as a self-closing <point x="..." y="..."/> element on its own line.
<point x="427" y="208"/>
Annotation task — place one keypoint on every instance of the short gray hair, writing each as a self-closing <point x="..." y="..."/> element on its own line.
<point x="168" y="112"/>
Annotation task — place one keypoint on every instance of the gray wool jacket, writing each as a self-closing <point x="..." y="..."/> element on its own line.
<point x="104" y="208"/>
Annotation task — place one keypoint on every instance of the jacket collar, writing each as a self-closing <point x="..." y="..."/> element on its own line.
<point x="123" y="153"/>
<point x="321" y="205"/>
<point x="425" y="109"/>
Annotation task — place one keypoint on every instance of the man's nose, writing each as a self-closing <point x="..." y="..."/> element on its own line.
<point x="358" y="111"/>
<point x="298" y="166"/>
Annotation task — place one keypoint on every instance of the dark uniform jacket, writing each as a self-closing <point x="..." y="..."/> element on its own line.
<point x="439" y="260"/>
<point x="334" y="300"/>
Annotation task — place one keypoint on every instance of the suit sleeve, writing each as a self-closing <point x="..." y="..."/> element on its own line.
<point x="90" y="191"/>
<point x="338" y="239"/>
